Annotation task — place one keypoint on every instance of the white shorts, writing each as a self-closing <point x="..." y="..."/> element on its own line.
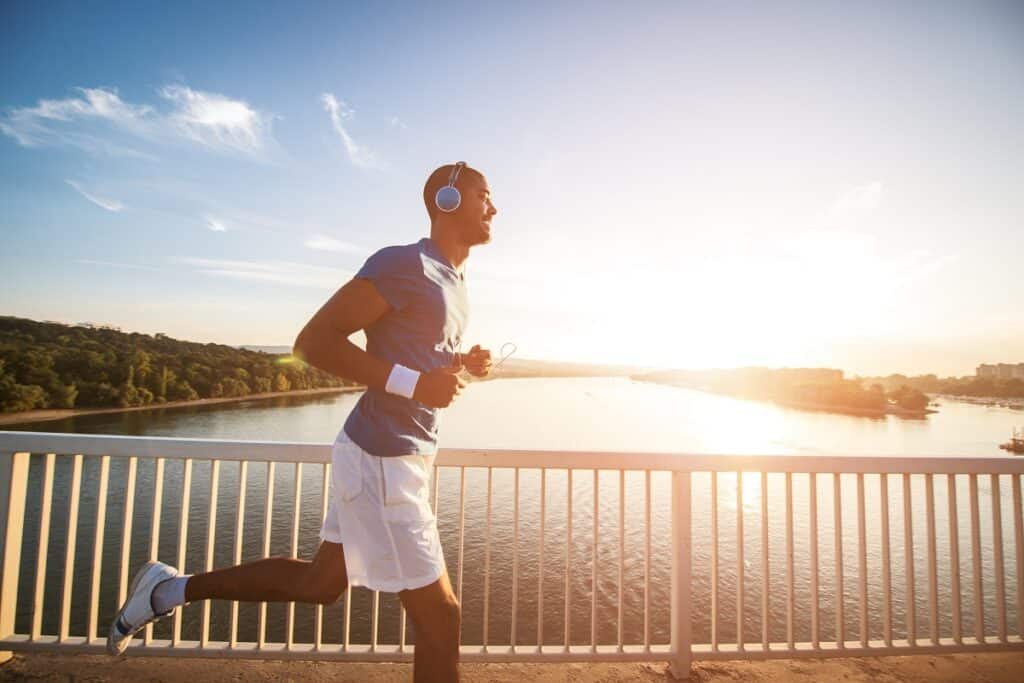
<point x="380" y="512"/>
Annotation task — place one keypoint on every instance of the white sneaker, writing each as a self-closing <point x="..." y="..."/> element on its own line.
<point x="137" y="610"/>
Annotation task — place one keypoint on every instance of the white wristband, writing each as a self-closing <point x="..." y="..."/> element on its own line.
<point x="402" y="381"/>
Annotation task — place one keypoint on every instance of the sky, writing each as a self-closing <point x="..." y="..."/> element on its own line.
<point x="678" y="184"/>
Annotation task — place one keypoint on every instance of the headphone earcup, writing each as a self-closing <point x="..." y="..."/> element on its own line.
<point x="448" y="199"/>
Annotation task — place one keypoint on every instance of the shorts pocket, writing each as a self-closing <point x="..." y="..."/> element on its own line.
<point x="347" y="465"/>
<point x="406" y="487"/>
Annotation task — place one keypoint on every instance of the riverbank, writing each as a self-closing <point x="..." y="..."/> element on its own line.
<point x="53" y="414"/>
<point x="801" y="405"/>
<point x="997" y="667"/>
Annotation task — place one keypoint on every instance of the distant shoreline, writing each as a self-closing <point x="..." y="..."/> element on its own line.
<point x="805" y="405"/>
<point x="50" y="415"/>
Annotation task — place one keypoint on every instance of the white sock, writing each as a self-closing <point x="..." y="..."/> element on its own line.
<point x="169" y="594"/>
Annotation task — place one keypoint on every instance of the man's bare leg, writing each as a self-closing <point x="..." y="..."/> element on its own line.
<point x="276" y="579"/>
<point x="436" y="615"/>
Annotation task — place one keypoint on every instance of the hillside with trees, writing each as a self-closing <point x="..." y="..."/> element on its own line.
<point x="980" y="387"/>
<point x="52" y="365"/>
<point x="809" y="388"/>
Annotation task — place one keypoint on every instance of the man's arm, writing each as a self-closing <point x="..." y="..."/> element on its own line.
<point x="324" y="343"/>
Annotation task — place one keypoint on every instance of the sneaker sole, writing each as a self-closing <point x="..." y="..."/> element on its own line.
<point x="112" y="647"/>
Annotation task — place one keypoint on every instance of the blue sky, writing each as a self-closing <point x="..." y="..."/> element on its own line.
<point x="682" y="184"/>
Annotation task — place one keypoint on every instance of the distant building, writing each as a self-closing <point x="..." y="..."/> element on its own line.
<point x="1001" y="370"/>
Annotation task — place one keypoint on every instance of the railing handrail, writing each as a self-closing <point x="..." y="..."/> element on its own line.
<point x="277" y="451"/>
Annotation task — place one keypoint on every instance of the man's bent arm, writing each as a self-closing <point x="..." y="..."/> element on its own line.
<point x="324" y="341"/>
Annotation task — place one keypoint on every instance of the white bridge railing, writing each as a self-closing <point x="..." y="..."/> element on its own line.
<point x="660" y="574"/>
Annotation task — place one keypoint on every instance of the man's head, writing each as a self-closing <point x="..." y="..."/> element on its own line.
<point x="471" y="222"/>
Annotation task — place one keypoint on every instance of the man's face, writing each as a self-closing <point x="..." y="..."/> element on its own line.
<point x="476" y="210"/>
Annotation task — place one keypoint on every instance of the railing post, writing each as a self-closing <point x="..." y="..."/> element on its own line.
<point x="13" y="484"/>
<point x="681" y="558"/>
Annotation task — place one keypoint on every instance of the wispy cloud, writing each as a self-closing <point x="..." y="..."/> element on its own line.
<point x="115" y="264"/>
<point x="103" y="202"/>
<point x="338" y="111"/>
<point x="37" y="125"/>
<point x="398" y="123"/>
<point x="215" y="120"/>
<point x="98" y="120"/>
<point x="280" y="272"/>
<point x="326" y="243"/>
<point x="214" y="224"/>
<point x="856" y="201"/>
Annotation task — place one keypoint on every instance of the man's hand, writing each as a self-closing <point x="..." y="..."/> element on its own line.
<point x="439" y="388"/>
<point x="477" y="362"/>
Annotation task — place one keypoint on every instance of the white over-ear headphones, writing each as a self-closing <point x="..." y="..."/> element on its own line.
<point x="448" y="198"/>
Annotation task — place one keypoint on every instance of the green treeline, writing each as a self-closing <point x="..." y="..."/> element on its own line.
<point x="51" y="365"/>
<point x="819" y="387"/>
<point x="987" y="387"/>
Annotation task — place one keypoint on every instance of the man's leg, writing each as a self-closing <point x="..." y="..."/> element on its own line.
<point x="276" y="579"/>
<point x="436" y="615"/>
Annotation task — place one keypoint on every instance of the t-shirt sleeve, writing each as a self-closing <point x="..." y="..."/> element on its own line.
<point x="394" y="275"/>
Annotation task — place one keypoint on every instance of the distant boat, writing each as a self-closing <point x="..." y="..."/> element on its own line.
<point x="1016" y="442"/>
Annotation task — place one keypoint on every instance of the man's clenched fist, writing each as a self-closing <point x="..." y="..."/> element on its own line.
<point x="477" y="361"/>
<point x="439" y="388"/>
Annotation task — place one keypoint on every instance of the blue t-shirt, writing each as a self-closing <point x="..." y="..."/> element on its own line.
<point x="422" y="332"/>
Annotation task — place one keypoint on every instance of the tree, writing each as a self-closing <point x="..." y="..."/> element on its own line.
<point x="281" y="382"/>
<point x="65" y="396"/>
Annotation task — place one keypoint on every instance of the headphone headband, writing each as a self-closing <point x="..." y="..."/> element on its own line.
<point x="456" y="170"/>
<point x="448" y="198"/>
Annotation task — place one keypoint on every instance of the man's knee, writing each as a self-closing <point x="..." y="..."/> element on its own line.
<point x="441" y="625"/>
<point x="324" y="588"/>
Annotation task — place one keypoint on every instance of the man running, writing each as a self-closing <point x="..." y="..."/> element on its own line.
<point x="380" y="531"/>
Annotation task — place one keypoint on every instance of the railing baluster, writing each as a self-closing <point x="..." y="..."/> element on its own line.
<point x="979" y="604"/>
<point x="347" y="625"/>
<point x="97" y="547"/>
<point x="325" y="493"/>
<point x="296" y="518"/>
<point x="568" y="554"/>
<point x="997" y="552"/>
<point x="186" y="487"/>
<point x="837" y="518"/>
<point x="862" y="561"/>
<point x="933" y="581"/>
<point x="764" y="562"/>
<point x="462" y="530"/>
<point x="14" y="469"/>
<point x="908" y="551"/>
<point x="374" y="621"/>
<point x="790" y="593"/>
<point x="622" y="549"/>
<point x="886" y="561"/>
<point x="346" y="630"/>
<point x="69" y="554"/>
<point x="954" y="558"/>
<point x="593" y="570"/>
<point x="812" y="502"/>
<point x="126" y="528"/>
<point x="211" y="534"/>
<point x="44" y="546"/>
<point x="714" y="561"/>
<point x="243" y="473"/>
<point x="647" y="560"/>
<point x="739" y="560"/>
<point x="154" y="528"/>
<point x="268" y="511"/>
<point x="681" y="636"/>
<point x="1018" y="537"/>
<point x="487" y="562"/>
<point x="515" y="557"/>
<point x="540" y="562"/>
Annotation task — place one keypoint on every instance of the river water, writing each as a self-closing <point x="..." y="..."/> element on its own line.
<point x="604" y="414"/>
